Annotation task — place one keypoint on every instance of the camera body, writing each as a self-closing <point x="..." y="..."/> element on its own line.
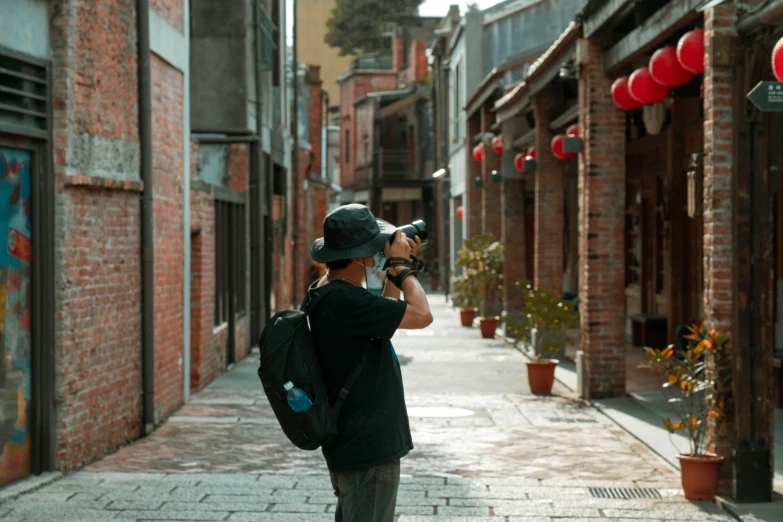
<point x="417" y="228"/>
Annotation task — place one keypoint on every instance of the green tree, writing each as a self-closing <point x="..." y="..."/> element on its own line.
<point x="357" y="26"/>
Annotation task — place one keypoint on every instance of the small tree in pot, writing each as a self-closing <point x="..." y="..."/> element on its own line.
<point x="478" y="265"/>
<point x="543" y="330"/>
<point x="701" y="375"/>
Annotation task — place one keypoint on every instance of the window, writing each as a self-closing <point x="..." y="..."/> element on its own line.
<point x="269" y="39"/>
<point x="230" y="262"/>
<point x="457" y="103"/>
<point x="366" y="150"/>
<point x="347" y="146"/>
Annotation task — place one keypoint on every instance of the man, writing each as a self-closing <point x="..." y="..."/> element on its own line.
<point x="352" y="323"/>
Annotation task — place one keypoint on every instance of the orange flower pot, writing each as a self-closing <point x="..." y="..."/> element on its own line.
<point x="467" y="316"/>
<point x="488" y="326"/>
<point x="433" y="285"/>
<point x="700" y="476"/>
<point x="541" y="376"/>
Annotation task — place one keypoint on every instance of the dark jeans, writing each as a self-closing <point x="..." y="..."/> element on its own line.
<point x="368" y="495"/>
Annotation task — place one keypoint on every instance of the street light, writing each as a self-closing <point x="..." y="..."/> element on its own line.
<point x="439" y="173"/>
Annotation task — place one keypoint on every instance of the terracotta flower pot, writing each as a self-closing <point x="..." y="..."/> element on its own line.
<point x="700" y="476"/>
<point x="488" y="326"/>
<point x="541" y="376"/>
<point x="433" y="285"/>
<point x="467" y="316"/>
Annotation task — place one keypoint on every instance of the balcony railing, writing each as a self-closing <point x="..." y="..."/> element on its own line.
<point x="398" y="165"/>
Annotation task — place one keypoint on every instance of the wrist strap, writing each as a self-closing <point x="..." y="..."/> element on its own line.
<point x="397" y="261"/>
<point x="399" y="278"/>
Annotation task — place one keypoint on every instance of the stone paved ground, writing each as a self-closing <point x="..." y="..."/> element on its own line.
<point x="486" y="450"/>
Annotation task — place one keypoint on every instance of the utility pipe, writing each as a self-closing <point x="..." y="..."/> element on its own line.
<point x="147" y="221"/>
<point x="186" y="265"/>
<point x="295" y="162"/>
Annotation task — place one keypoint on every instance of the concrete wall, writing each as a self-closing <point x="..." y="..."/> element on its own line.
<point x="219" y="65"/>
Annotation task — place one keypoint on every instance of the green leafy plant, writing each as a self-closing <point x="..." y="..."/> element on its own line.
<point x="701" y="376"/>
<point x="465" y="293"/>
<point x="483" y="259"/>
<point x="552" y="319"/>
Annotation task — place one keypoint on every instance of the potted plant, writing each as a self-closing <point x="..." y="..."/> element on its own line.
<point x="482" y="258"/>
<point x="491" y="286"/>
<point x="543" y="330"/>
<point x="465" y="298"/>
<point x="700" y="375"/>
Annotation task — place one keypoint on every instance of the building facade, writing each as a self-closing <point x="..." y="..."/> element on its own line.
<point x="676" y="217"/>
<point x="123" y="193"/>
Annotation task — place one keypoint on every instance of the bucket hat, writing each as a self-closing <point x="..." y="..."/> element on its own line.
<point x="351" y="232"/>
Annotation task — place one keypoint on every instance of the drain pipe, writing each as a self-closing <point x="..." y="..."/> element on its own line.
<point x="147" y="247"/>
<point x="295" y="164"/>
<point x="186" y="265"/>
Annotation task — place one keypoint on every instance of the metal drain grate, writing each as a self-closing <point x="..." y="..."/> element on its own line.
<point x="572" y="420"/>
<point x="520" y="371"/>
<point x="625" y="493"/>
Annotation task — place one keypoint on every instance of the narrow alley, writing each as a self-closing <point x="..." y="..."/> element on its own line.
<point x="486" y="450"/>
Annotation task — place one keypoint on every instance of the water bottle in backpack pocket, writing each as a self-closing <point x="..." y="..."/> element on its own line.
<point x="297" y="399"/>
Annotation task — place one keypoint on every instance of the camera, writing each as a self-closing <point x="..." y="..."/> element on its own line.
<point x="417" y="228"/>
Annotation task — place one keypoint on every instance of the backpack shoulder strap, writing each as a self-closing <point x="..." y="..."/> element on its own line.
<point x="345" y="389"/>
<point x="315" y="296"/>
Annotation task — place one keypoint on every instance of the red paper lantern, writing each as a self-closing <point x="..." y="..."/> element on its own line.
<point x="622" y="97"/>
<point x="478" y="152"/>
<point x="497" y="144"/>
<point x="573" y="130"/>
<point x="777" y="60"/>
<point x="532" y="152"/>
<point x="557" y="147"/>
<point x="644" y="89"/>
<point x="460" y="212"/>
<point x="666" y="69"/>
<point x="519" y="162"/>
<point x="690" y="51"/>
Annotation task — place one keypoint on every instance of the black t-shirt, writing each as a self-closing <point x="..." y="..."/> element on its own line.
<point x="373" y="423"/>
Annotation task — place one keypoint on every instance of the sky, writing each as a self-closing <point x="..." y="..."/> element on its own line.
<point x="441" y="7"/>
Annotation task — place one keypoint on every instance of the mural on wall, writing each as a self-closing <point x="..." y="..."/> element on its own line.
<point x="15" y="314"/>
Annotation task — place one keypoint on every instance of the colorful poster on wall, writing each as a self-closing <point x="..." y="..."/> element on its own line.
<point x="15" y="318"/>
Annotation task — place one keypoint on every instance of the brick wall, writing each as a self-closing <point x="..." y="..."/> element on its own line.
<point x="97" y="236"/>
<point x="473" y="198"/>
<point x="490" y="195"/>
<point x="169" y="10"/>
<point x="717" y="209"/>
<point x="398" y="52"/>
<point x="418" y="64"/>
<point x="208" y="353"/>
<point x="601" y="231"/>
<point x="167" y="100"/>
<point x="512" y="212"/>
<point x="548" y="248"/>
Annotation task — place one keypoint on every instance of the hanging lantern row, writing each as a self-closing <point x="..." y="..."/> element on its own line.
<point x="478" y="152"/>
<point x="460" y="212"/>
<point x="526" y="161"/>
<point x="558" y="143"/>
<point x="777" y="60"/>
<point x="497" y="144"/>
<point x="669" y="67"/>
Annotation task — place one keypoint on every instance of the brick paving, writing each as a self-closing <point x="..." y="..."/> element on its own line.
<point x="486" y="450"/>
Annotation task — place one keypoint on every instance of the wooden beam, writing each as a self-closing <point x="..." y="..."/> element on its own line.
<point x="525" y="139"/>
<point x="545" y="76"/>
<point x="611" y="9"/>
<point x="655" y="29"/>
<point x="570" y="115"/>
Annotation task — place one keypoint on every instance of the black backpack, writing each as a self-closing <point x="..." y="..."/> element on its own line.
<point x="288" y="354"/>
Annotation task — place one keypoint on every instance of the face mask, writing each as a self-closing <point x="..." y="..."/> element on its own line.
<point x="366" y="275"/>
